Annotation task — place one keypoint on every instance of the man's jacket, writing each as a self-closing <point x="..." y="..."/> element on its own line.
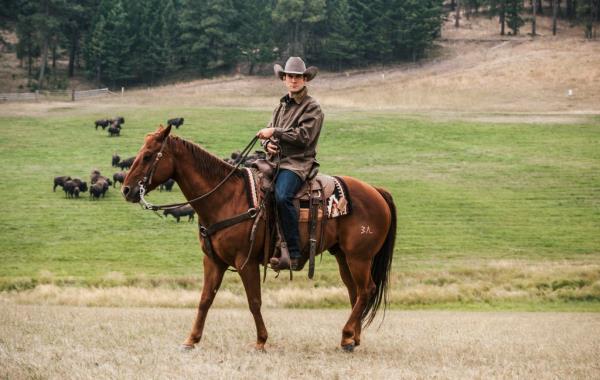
<point x="297" y="121"/>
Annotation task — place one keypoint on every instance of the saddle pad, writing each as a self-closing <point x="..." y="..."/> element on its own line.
<point x="339" y="204"/>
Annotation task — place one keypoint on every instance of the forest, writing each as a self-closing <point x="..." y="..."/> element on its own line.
<point x="140" y="42"/>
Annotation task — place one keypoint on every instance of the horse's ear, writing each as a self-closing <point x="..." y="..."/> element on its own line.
<point x="164" y="132"/>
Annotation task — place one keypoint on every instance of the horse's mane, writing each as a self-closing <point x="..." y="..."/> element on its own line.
<point x="205" y="161"/>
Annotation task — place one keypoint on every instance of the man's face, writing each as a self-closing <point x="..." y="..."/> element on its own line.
<point x="294" y="82"/>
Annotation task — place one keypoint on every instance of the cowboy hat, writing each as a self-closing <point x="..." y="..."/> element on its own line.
<point x="295" y="65"/>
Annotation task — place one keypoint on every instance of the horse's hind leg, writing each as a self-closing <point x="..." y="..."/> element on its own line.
<point x="250" y="275"/>
<point x="213" y="275"/>
<point x="352" y="293"/>
<point x="360" y="271"/>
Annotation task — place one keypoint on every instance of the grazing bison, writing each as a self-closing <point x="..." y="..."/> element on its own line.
<point x="177" y="122"/>
<point x="94" y="175"/>
<point x="167" y="185"/>
<point x="114" y="131"/>
<point x="115" y="160"/>
<point x="82" y="185"/>
<point x="98" y="189"/>
<point x="71" y="189"/>
<point x="102" y="123"/>
<point x="60" y="181"/>
<point x="178" y="212"/>
<point x="119" y="177"/>
<point x="118" y="121"/>
<point x="126" y="164"/>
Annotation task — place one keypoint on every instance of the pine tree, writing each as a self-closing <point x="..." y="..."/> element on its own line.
<point x="192" y="46"/>
<point x="417" y="24"/>
<point x="254" y="32"/>
<point x="296" y="21"/>
<point x="337" y="46"/>
<point x="588" y="11"/>
<point x="514" y="21"/>
<point x="108" y="46"/>
<point x="28" y="46"/>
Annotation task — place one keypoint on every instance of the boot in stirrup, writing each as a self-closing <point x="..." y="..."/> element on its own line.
<point x="283" y="261"/>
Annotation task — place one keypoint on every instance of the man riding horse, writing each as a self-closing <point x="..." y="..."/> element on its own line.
<point x="291" y="137"/>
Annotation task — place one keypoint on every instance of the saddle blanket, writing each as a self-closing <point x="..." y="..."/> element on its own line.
<point x="338" y="203"/>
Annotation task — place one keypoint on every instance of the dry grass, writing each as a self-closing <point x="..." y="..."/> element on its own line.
<point x="501" y="283"/>
<point x="74" y="342"/>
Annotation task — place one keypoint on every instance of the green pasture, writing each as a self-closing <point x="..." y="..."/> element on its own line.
<point x="467" y="194"/>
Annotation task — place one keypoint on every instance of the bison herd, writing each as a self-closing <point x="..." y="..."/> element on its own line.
<point x="114" y="125"/>
<point x="100" y="184"/>
<point x="74" y="187"/>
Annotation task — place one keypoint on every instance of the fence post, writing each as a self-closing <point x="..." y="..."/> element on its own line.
<point x="37" y="93"/>
<point x="72" y="94"/>
<point x="122" y="91"/>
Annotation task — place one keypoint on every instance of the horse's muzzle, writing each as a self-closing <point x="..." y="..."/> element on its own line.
<point x="131" y="194"/>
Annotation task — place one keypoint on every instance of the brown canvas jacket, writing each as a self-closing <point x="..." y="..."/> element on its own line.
<point x="297" y="121"/>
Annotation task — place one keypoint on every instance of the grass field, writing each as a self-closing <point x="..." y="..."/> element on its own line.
<point x="490" y="215"/>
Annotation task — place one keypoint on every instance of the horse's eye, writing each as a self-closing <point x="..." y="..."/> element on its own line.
<point x="147" y="157"/>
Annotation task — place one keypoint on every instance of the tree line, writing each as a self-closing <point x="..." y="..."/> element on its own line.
<point x="513" y="14"/>
<point x="118" y="42"/>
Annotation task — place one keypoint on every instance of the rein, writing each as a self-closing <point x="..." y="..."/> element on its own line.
<point x="148" y="180"/>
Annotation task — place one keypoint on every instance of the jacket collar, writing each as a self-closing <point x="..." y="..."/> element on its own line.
<point x="297" y="97"/>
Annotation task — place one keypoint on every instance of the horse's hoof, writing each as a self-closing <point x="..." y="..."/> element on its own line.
<point x="348" y="347"/>
<point x="186" y="348"/>
<point x="260" y="348"/>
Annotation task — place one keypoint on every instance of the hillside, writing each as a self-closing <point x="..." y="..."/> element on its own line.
<point x="472" y="69"/>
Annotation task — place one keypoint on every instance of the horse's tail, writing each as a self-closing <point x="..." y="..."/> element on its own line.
<point x="382" y="264"/>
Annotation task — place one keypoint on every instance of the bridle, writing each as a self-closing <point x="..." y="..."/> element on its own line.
<point x="147" y="179"/>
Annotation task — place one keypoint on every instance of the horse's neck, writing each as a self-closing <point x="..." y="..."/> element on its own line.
<point x="195" y="180"/>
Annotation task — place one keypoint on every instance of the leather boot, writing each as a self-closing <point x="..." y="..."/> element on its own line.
<point x="283" y="261"/>
<point x="292" y="264"/>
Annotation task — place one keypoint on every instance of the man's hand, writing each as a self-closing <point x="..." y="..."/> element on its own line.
<point x="271" y="147"/>
<point x="265" y="133"/>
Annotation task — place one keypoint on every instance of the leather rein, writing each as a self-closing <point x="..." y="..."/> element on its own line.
<point x="150" y="173"/>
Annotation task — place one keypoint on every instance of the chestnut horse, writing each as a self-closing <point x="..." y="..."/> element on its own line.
<point x="362" y="241"/>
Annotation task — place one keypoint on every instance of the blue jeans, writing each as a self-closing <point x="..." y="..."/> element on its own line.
<point x="287" y="185"/>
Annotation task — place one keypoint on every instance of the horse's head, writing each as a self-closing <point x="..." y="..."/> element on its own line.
<point x="153" y="165"/>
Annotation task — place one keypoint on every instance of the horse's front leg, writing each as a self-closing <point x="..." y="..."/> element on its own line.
<point x="213" y="275"/>
<point x="250" y="275"/>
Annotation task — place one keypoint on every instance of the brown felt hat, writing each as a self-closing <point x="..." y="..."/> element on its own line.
<point x="295" y="65"/>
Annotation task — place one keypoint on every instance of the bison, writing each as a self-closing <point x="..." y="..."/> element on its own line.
<point x="115" y="160"/>
<point x="98" y="189"/>
<point x="118" y="121"/>
<point x="178" y="212"/>
<point x="71" y="189"/>
<point x="114" y="131"/>
<point x="167" y="185"/>
<point x="177" y="122"/>
<point x="82" y="185"/>
<point x="96" y="176"/>
<point x="119" y="177"/>
<point x="102" y="123"/>
<point x="60" y="181"/>
<point x="126" y="164"/>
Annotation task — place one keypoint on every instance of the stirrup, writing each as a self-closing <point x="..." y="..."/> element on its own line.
<point x="278" y="264"/>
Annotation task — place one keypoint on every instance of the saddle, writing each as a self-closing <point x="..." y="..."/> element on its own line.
<point x="320" y="197"/>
